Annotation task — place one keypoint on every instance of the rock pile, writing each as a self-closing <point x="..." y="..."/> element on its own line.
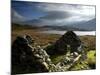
<point x="25" y="57"/>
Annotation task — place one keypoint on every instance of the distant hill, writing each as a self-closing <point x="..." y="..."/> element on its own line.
<point x="90" y="25"/>
<point x="67" y="28"/>
<point x="16" y="26"/>
<point x="83" y="26"/>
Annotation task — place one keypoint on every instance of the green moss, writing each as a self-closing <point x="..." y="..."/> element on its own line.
<point x="81" y="65"/>
<point x="91" y="56"/>
<point x="89" y="63"/>
<point x="57" y="58"/>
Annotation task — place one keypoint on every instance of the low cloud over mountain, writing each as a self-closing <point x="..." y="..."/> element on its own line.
<point x="54" y="14"/>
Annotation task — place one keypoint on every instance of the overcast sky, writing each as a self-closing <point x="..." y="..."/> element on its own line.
<point x="52" y="13"/>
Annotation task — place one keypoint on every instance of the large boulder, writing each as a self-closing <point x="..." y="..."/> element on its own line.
<point x="69" y="39"/>
<point x="20" y="48"/>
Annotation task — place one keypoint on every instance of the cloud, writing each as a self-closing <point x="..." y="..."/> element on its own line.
<point x="66" y="13"/>
<point x="71" y="8"/>
<point x="53" y="13"/>
<point x="16" y="17"/>
<point x="56" y="15"/>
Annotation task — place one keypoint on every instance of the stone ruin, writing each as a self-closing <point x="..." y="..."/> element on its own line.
<point x="28" y="57"/>
<point x="25" y="57"/>
<point x="68" y="40"/>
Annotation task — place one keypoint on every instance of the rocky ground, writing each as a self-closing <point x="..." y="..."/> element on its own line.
<point x="30" y="53"/>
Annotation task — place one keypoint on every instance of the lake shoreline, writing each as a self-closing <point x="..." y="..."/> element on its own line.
<point x="79" y="33"/>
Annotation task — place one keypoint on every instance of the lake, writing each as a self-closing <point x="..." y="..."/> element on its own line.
<point x="80" y="33"/>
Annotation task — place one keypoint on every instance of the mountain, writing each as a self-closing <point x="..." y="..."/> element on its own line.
<point x="90" y="25"/>
<point x="68" y="28"/>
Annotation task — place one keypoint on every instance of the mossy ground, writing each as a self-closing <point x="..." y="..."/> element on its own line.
<point x="88" y="63"/>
